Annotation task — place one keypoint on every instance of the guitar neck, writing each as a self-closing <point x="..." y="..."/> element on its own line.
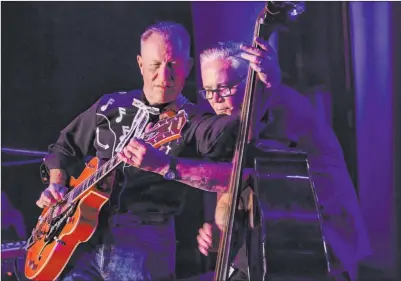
<point x="100" y="173"/>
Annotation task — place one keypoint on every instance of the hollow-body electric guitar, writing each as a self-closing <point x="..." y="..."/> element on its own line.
<point x="62" y="227"/>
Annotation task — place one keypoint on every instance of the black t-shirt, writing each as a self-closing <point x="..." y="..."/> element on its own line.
<point x="99" y="130"/>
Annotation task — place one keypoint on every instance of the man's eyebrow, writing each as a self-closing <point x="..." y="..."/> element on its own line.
<point x="158" y="61"/>
<point x="219" y="85"/>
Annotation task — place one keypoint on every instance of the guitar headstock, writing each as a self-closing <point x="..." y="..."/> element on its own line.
<point x="166" y="130"/>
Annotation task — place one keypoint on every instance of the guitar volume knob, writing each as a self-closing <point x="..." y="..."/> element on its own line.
<point x="32" y="265"/>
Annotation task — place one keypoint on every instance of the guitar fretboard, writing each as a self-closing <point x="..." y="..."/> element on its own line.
<point x="94" y="178"/>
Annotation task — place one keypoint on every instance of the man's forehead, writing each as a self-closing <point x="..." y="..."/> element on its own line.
<point x="157" y="47"/>
<point x="218" y="72"/>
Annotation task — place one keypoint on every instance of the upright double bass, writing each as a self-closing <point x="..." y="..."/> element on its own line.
<point x="274" y="15"/>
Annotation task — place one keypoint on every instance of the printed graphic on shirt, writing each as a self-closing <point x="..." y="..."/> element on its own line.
<point x="122" y="117"/>
<point x="139" y="123"/>
<point x="104" y="146"/>
<point x="168" y="148"/>
<point x="117" y="121"/>
<point x="122" y="112"/>
<point x="125" y="130"/>
<point x="119" y="118"/>
<point x="171" y="146"/>
<point x="109" y="102"/>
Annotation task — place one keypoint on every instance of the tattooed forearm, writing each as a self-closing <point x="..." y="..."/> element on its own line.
<point x="202" y="174"/>
<point x="58" y="176"/>
<point x="208" y="176"/>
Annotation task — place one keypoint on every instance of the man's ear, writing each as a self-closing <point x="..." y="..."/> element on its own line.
<point x="190" y="64"/>
<point x="140" y="63"/>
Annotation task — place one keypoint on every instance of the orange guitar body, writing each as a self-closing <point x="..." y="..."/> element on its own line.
<point x="62" y="227"/>
<point x="46" y="260"/>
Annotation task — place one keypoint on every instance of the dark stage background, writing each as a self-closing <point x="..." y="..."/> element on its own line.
<point x="58" y="58"/>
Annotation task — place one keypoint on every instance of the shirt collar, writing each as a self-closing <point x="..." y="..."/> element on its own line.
<point x="174" y="105"/>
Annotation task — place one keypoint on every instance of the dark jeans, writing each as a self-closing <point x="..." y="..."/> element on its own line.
<point x="127" y="250"/>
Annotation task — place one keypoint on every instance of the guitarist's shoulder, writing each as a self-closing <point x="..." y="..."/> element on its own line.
<point x="119" y="99"/>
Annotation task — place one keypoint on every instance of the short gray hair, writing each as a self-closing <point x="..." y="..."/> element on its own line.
<point x="229" y="51"/>
<point x="170" y="31"/>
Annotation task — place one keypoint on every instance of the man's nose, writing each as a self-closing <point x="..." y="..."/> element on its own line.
<point x="166" y="74"/>
<point x="216" y="98"/>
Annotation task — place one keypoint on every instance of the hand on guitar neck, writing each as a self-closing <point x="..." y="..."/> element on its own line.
<point x="145" y="157"/>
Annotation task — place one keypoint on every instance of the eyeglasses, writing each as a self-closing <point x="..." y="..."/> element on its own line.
<point x="222" y="92"/>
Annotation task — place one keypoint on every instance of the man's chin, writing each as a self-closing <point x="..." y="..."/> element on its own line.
<point x="224" y="111"/>
<point x="164" y="95"/>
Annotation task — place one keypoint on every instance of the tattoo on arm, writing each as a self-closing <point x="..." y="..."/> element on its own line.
<point x="207" y="176"/>
<point x="58" y="176"/>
